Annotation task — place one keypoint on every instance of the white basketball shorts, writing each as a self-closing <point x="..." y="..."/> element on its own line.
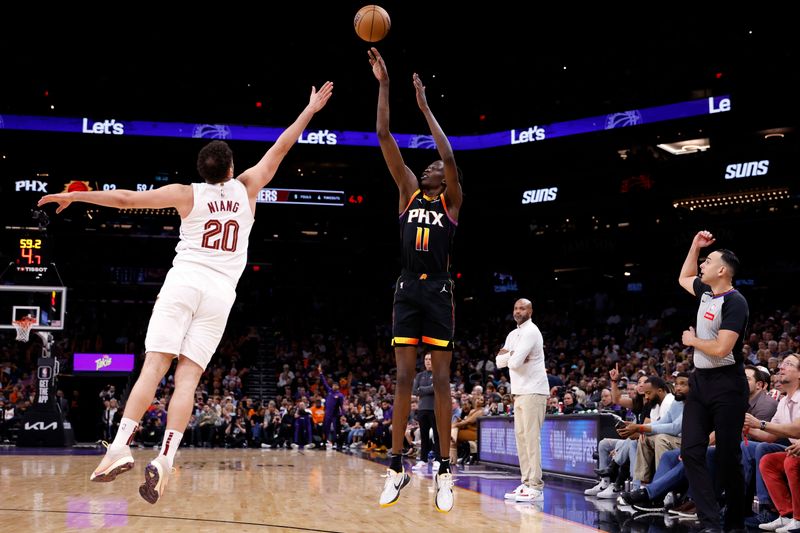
<point x="190" y="314"/>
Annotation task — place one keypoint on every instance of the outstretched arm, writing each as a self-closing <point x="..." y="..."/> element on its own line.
<point x="616" y="394"/>
<point x="174" y="195"/>
<point x="452" y="193"/>
<point x="257" y="177"/>
<point x="689" y="269"/>
<point x="323" y="380"/>
<point x="405" y="179"/>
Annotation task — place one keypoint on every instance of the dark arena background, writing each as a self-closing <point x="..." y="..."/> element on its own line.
<point x="594" y="146"/>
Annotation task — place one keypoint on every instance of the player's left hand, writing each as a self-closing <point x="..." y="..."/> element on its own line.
<point x="62" y="199"/>
<point x="422" y="100"/>
<point x="318" y="99"/>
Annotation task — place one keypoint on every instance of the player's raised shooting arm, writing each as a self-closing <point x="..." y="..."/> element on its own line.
<point x="257" y="177"/>
<point x="405" y="179"/>
<point x="453" y="194"/>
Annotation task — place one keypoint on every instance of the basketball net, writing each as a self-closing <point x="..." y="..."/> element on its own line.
<point x="23" y="327"/>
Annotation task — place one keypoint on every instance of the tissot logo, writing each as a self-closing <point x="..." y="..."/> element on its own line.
<point x="107" y="127"/>
<point x="746" y="170"/>
<point x="39" y="426"/>
<point x="536" y="196"/>
<point x="30" y="185"/>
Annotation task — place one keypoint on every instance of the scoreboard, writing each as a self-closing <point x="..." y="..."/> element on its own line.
<point x="28" y="191"/>
<point x="301" y="197"/>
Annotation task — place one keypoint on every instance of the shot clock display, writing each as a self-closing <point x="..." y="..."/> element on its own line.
<point x="32" y="259"/>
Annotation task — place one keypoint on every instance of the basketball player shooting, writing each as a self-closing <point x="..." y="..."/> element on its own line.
<point x="192" y="308"/>
<point x="423" y="297"/>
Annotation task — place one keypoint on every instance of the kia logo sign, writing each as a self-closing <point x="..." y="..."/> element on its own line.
<point x="39" y="426"/>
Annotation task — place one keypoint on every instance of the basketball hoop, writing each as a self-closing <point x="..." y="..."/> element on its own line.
<point x="23" y="327"/>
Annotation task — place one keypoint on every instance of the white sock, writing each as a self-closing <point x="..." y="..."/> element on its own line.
<point x="172" y="441"/>
<point x="124" y="434"/>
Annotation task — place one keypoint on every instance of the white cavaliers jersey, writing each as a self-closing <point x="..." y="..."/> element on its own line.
<point x="216" y="232"/>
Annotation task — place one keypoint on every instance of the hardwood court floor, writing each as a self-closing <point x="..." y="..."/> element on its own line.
<point x="245" y="490"/>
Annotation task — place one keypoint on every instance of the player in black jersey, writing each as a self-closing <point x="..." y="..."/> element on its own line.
<point x="423" y="300"/>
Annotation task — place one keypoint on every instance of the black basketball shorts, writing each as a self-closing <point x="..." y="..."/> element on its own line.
<point x="423" y="311"/>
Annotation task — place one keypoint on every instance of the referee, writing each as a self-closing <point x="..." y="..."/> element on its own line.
<point x="719" y="391"/>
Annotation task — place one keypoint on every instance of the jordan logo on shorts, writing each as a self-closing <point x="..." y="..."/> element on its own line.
<point x="444" y="288"/>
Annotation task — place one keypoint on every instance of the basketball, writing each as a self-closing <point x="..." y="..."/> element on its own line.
<point x="372" y="23"/>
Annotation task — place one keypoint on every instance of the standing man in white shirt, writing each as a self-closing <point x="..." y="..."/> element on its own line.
<point x="523" y="354"/>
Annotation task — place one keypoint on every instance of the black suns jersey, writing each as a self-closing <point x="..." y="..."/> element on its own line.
<point x="426" y="234"/>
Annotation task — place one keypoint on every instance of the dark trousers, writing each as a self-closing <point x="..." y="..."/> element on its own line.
<point x="331" y="426"/>
<point x="427" y="421"/>
<point x="304" y="434"/>
<point x="717" y="402"/>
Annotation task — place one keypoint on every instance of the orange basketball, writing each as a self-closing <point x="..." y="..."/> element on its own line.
<point x="372" y="23"/>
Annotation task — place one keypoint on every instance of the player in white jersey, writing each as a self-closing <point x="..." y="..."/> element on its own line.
<point x="192" y="308"/>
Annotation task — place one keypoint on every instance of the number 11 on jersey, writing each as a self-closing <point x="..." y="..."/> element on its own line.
<point x="423" y="235"/>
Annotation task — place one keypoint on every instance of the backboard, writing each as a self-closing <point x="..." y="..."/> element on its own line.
<point x="45" y="304"/>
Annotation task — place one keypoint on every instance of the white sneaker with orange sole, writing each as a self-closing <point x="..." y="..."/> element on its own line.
<point x="115" y="462"/>
<point x="156" y="475"/>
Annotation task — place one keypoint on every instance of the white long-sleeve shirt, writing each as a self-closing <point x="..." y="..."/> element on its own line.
<point x="525" y="360"/>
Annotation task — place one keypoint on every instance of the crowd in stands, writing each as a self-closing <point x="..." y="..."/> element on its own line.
<point x="612" y="363"/>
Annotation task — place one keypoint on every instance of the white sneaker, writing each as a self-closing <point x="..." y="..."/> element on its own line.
<point x="395" y="481"/>
<point x="594" y="491"/>
<point x="443" y="485"/>
<point x="114" y="463"/>
<point x="156" y="475"/>
<point x="793" y="524"/>
<point x="775" y="524"/>
<point x="435" y="467"/>
<point x="419" y="466"/>
<point x="609" y="492"/>
<point x="671" y="520"/>
<point x="513" y="494"/>
<point x="527" y="494"/>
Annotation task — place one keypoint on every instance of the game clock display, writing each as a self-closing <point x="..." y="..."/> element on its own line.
<point x="32" y="255"/>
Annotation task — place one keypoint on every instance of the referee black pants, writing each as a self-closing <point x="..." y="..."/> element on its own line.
<point x="717" y="401"/>
<point x="427" y="421"/>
